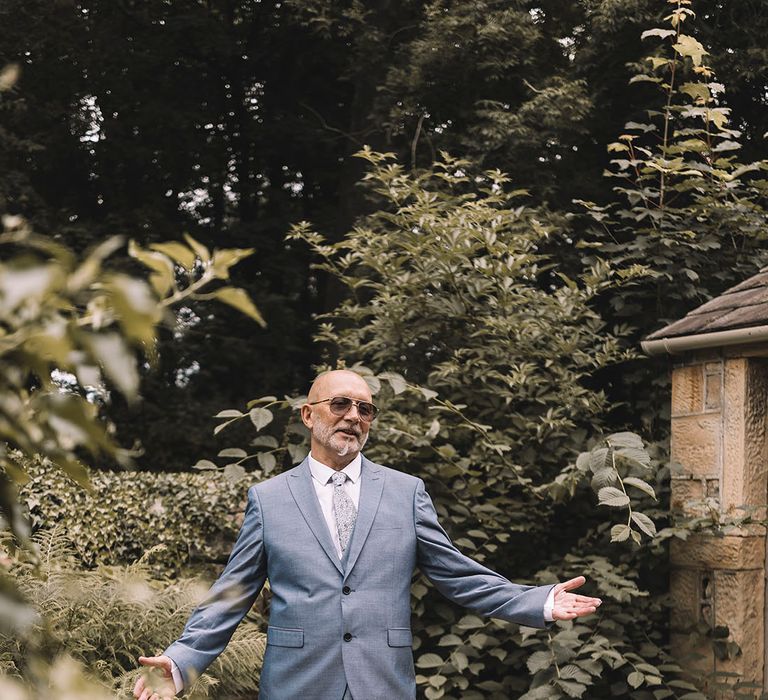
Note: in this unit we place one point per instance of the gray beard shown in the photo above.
(325, 436)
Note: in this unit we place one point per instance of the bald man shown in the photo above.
(339, 537)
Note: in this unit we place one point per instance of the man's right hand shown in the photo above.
(158, 683)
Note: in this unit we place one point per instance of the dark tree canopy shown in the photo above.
(232, 120)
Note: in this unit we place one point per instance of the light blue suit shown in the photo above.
(343, 623)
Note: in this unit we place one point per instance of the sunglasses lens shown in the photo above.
(367, 411)
(340, 405)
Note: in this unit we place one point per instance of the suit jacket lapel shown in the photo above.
(303, 492)
(371, 487)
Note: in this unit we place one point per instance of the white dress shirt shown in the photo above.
(321, 480)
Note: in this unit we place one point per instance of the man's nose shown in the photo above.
(353, 416)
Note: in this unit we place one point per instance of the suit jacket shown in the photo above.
(336, 623)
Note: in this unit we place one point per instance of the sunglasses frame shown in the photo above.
(353, 402)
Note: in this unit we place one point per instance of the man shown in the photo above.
(338, 537)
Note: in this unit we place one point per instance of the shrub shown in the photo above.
(105, 618)
(195, 516)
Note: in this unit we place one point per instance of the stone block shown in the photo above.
(686, 492)
(713, 385)
(744, 433)
(695, 444)
(733, 553)
(739, 605)
(687, 390)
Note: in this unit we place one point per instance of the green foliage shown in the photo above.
(125, 515)
(450, 282)
(686, 205)
(107, 617)
(61, 314)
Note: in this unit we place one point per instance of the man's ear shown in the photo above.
(306, 415)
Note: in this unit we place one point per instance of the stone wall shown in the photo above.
(718, 450)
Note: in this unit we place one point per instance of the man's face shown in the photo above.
(336, 439)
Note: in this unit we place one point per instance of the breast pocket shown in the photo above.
(285, 637)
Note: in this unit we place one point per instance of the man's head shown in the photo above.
(336, 439)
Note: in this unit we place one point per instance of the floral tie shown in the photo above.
(343, 510)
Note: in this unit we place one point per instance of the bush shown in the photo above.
(125, 514)
(105, 618)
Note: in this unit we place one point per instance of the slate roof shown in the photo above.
(742, 306)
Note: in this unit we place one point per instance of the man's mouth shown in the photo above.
(348, 431)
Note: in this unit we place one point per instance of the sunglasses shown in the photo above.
(340, 406)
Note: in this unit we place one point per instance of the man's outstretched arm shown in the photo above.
(474, 586)
(212, 624)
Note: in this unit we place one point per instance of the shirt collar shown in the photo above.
(322, 473)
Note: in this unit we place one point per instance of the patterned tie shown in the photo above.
(343, 510)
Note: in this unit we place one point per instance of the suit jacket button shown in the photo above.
(346, 590)
(347, 637)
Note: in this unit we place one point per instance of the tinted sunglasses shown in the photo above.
(340, 406)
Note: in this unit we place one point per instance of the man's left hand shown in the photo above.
(567, 605)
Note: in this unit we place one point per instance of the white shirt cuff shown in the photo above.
(177, 679)
(549, 604)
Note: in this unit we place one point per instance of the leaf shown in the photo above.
(633, 454)
(635, 679)
(238, 298)
(234, 472)
(267, 461)
(470, 622)
(8, 76)
(297, 452)
(177, 252)
(162, 278)
(620, 533)
(200, 250)
(539, 660)
(644, 523)
(223, 260)
(582, 462)
(661, 33)
(434, 429)
(640, 484)
(698, 91)
(428, 394)
(689, 47)
(236, 452)
(204, 464)
(610, 496)
(429, 661)
(229, 413)
(260, 417)
(625, 439)
(265, 441)
(117, 361)
(605, 477)
(450, 640)
(396, 381)
(572, 688)
(597, 459)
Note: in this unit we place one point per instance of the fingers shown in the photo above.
(161, 662)
(571, 584)
(570, 613)
(139, 687)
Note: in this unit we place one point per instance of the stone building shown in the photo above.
(719, 454)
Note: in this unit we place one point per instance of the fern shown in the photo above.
(107, 617)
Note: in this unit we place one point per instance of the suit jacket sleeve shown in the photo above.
(466, 582)
(212, 624)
